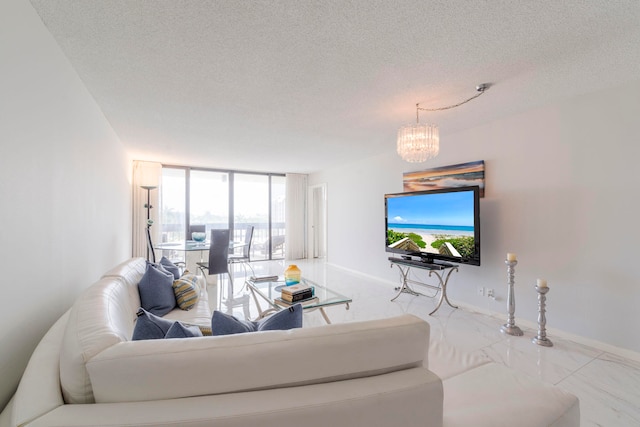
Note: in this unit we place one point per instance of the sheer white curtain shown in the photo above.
(296, 214)
(145, 174)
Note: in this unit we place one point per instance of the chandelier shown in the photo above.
(418, 143)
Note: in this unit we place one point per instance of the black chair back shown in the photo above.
(248, 237)
(219, 251)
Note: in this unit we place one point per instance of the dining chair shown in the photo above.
(244, 257)
(218, 255)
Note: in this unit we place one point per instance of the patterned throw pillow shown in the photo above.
(186, 290)
(206, 330)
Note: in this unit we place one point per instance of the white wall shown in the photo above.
(64, 188)
(561, 192)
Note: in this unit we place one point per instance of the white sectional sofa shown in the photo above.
(86, 371)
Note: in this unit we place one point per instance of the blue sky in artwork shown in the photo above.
(454, 208)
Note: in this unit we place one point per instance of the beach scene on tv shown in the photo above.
(438, 223)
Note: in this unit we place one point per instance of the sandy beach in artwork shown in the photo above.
(428, 239)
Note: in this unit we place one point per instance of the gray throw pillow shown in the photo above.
(179, 330)
(225, 324)
(150, 327)
(156, 291)
(170, 267)
(289, 318)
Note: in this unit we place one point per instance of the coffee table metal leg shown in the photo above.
(261, 313)
(326, 318)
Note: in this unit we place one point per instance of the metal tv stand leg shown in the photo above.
(404, 288)
(443, 284)
(443, 280)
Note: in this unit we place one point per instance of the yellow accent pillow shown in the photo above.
(186, 290)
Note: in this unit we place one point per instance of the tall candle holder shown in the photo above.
(541, 338)
(510, 327)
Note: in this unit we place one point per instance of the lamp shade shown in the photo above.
(418, 143)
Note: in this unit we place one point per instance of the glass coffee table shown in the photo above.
(268, 291)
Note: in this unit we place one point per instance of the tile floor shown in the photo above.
(607, 385)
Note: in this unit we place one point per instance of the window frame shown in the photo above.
(231, 175)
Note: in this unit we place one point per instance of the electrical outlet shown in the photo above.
(490, 293)
(480, 291)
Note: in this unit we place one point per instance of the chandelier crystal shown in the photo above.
(418, 143)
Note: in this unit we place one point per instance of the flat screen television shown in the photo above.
(442, 224)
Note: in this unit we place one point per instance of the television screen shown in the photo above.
(441, 224)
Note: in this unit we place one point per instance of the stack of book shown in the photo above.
(299, 293)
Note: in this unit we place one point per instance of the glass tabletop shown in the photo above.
(191, 245)
(271, 291)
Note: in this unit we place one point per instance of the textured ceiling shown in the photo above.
(300, 85)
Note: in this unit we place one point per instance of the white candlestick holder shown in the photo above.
(541, 338)
(510, 327)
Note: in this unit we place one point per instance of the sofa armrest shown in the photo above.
(39, 389)
(168, 369)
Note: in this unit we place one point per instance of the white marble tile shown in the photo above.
(614, 383)
(549, 364)
(607, 385)
(535, 363)
(608, 393)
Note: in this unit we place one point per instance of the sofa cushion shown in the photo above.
(186, 291)
(495, 395)
(150, 327)
(179, 330)
(170, 267)
(226, 324)
(156, 291)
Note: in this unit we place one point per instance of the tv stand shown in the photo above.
(405, 264)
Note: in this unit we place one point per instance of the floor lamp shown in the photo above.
(149, 221)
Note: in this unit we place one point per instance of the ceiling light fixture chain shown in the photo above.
(418, 143)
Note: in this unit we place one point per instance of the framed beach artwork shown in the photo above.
(460, 175)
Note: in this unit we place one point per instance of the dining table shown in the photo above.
(190, 246)
(185, 246)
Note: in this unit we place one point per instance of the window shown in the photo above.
(225, 199)
(172, 201)
(209, 199)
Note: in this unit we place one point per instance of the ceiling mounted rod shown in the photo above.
(480, 89)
